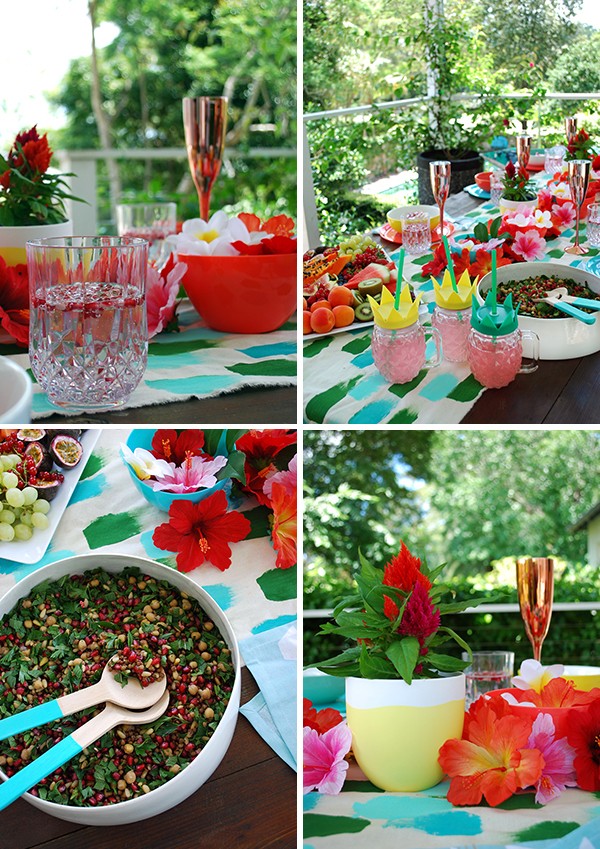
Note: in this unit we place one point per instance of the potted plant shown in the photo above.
(518, 193)
(31, 197)
(404, 696)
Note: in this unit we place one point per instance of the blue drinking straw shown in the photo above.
(450, 265)
(399, 278)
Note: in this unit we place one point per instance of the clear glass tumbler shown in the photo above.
(88, 337)
(496, 187)
(593, 225)
(489, 670)
(416, 232)
(150, 221)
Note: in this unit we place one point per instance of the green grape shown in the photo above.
(14, 497)
(7, 533)
(41, 506)
(9, 480)
(22, 532)
(9, 461)
(25, 517)
(40, 521)
(7, 516)
(30, 495)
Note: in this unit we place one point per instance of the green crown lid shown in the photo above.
(494, 319)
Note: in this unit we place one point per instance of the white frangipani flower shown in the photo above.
(144, 464)
(210, 238)
(533, 676)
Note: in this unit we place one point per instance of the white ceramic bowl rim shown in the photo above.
(17, 393)
(105, 815)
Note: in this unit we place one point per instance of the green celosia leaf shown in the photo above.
(404, 655)
(445, 662)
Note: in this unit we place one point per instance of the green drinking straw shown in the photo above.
(494, 283)
(450, 265)
(399, 279)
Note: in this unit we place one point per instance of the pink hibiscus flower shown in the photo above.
(288, 479)
(563, 214)
(558, 772)
(324, 765)
(530, 246)
(162, 289)
(194, 473)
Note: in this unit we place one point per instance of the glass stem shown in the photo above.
(441, 206)
(204, 198)
(577, 217)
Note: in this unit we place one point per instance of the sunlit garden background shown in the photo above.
(475, 500)
(494, 65)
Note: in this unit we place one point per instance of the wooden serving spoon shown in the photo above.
(74, 744)
(132, 696)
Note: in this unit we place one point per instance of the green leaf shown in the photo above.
(345, 657)
(445, 662)
(232, 438)
(404, 655)
(349, 601)
(457, 639)
(495, 227)
(212, 438)
(234, 467)
(373, 665)
(480, 232)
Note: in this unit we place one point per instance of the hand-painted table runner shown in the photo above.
(201, 363)
(362, 816)
(342, 385)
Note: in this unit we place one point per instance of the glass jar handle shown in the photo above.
(436, 359)
(535, 356)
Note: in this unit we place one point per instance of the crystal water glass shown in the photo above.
(488, 671)
(496, 187)
(554, 160)
(150, 221)
(593, 225)
(416, 233)
(88, 338)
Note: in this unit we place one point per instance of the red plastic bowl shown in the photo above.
(242, 294)
(483, 180)
(563, 716)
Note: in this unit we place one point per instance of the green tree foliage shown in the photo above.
(577, 68)
(168, 49)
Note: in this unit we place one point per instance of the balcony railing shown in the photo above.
(84, 164)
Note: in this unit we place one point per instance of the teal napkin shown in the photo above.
(271, 656)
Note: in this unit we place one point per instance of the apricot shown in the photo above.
(341, 296)
(306, 314)
(322, 304)
(322, 320)
(304, 304)
(344, 315)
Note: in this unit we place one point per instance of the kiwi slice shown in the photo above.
(371, 286)
(363, 312)
(358, 298)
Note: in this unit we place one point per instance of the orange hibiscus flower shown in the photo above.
(285, 525)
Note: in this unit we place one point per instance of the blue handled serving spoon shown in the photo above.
(561, 300)
(74, 744)
(131, 695)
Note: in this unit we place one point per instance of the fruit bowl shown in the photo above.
(396, 215)
(242, 294)
(195, 774)
(483, 180)
(560, 338)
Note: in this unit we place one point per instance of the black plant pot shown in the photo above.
(465, 164)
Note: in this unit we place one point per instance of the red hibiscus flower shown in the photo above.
(174, 448)
(320, 720)
(584, 736)
(14, 302)
(285, 525)
(261, 447)
(403, 572)
(202, 532)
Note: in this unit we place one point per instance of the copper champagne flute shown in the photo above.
(439, 174)
(579, 177)
(205, 123)
(535, 586)
(523, 151)
(570, 128)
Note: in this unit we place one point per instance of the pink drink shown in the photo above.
(399, 354)
(494, 360)
(88, 343)
(454, 327)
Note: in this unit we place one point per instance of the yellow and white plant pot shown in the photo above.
(398, 728)
(14, 239)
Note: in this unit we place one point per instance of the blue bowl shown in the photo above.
(321, 688)
(163, 500)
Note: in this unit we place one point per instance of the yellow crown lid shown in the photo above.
(447, 298)
(386, 315)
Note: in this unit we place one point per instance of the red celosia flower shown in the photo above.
(14, 302)
(202, 532)
(38, 154)
(403, 572)
(260, 448)
(5, 179)
(584, 736)
(285, 525)
(510, 170)
(320, 720)
(420, 618)
(27, 136)
(174, 448)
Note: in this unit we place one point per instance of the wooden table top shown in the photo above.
(248, 803)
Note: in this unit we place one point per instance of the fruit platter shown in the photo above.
(337, 281)
(39, 470)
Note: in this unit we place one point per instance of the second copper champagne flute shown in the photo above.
(205, 124)
(439, 173)
(523, 150)
(535, 586)
(570, 128)
(579, 177)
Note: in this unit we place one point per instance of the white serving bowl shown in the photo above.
(560, 338)
(15, 400)
(201, 768)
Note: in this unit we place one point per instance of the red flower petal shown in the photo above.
(280, 245)
(279, 225)
(248, 250)
(251, 221)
